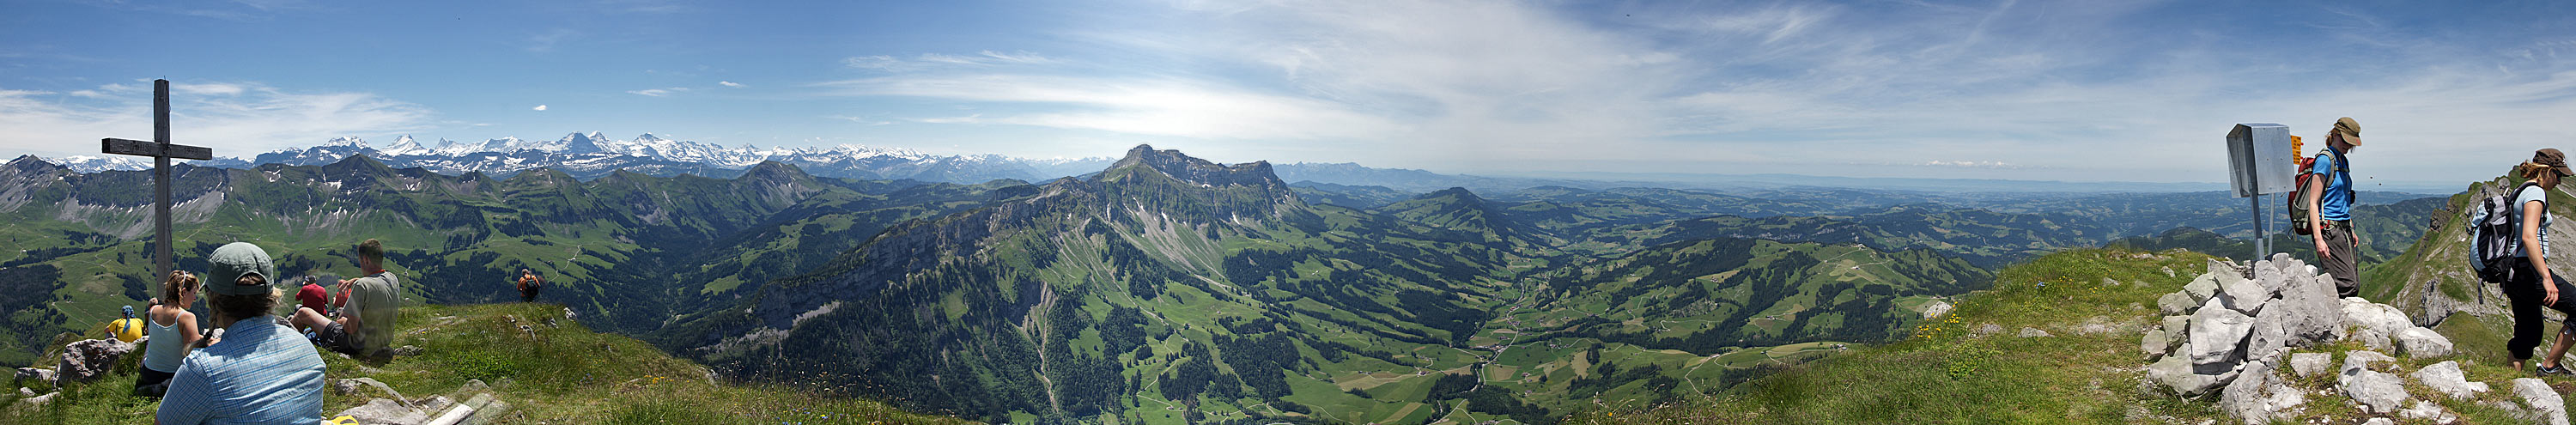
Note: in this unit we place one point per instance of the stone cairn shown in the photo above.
(2228, 332)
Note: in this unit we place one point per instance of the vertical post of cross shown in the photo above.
(161, 151)
(161, 181)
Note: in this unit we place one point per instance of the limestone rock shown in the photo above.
(2309, 364)
(383, 411)
(2174, 303)
(1936, 309)
(2266, 340)
(88, 359)
(2257, 395)
(24, 392)
(2097, 328)
(2379, 421)
(2539, 399)
(2217, 334)
(2374, 339)
(2420, 343)
(2309, 311)
(1989, 329)
(39, 401)
(2378, 392)
(2361, 360)
(2426, 410)
(2436, 306)
(2153, 344)
(2201, 289)
(2268, 277)
(353, 386)
(2374, 316)
(2244, 296)
(2175, 372)
(2176, 327)
(30, 376)
(2445, 378)
(2033, 333)
(407, 351)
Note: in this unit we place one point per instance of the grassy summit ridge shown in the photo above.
(557, 371)
(1951, 371)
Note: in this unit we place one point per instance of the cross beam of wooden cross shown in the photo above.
(161, 151)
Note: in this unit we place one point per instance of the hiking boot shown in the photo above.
(2545, 371)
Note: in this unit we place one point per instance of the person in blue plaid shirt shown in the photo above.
(259, 372)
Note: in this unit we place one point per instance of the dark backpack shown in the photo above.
(2299, 195)
(2495, 228)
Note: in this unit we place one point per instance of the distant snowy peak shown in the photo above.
(404, 146)
(344, 141)
(91, 164)
(592, 154)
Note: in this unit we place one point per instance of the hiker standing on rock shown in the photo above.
(2533, 285)
(263, 372)
(2330, 207)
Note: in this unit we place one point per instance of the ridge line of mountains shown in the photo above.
(1161, 288)
(593, 155)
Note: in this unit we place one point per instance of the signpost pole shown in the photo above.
(2262, 237)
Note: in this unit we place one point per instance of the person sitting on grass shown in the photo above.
(173, 331)
(262, 372)
(312, 295)
(529, 285)
(127, 329)
(366, 324)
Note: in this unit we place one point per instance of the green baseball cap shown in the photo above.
(231, 262)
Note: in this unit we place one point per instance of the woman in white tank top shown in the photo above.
(173, 331)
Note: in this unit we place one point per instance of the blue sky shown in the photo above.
(2094, 90)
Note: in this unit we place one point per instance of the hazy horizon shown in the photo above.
(2114, 92)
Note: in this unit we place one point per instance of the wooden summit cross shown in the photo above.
(161, 151)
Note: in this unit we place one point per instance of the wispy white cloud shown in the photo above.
(729, 84)
(660, 92)
(546, 41)
(1168, 107)
(235, 118)
(929, 61)
(538, 108)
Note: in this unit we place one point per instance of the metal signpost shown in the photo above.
(2259, 162)
(161, 151)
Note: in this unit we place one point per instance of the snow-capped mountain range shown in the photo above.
(594, 155)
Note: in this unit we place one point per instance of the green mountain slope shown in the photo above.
(1746, 292)
(1166, 287)
(1986, 238)
(2386, 232)
(617, 249)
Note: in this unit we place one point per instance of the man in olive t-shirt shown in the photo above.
(366, 325)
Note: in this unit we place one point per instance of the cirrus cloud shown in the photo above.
(234, 118)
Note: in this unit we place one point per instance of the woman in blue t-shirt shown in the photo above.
(2533, 285)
